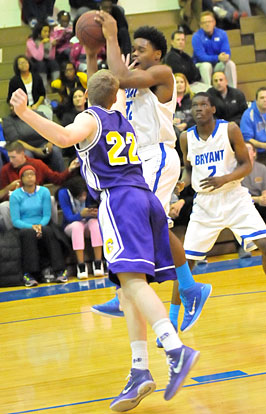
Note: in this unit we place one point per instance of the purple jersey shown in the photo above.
(111, 159)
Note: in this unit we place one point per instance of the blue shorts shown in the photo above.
(135, 234)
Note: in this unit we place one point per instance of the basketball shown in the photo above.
(88, 31)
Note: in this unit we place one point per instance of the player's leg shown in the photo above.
(261, 244)
(247, 224)
(162, 181)
(186, 287)
(140, 383)
(141, 304)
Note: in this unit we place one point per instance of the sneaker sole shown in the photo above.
(128, 404)
(198, 313)
(185, 371)
(108, 315)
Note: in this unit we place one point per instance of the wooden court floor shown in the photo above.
(57, 357)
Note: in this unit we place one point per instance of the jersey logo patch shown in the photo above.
(109, 245)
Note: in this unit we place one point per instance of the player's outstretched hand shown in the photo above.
(19, 100)
(212, 183)
(126, 60)
(109, 25)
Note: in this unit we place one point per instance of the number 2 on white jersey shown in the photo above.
(213, 170)
(119, 144)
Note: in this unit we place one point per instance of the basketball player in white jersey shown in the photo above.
(216, 160)
(151, 100)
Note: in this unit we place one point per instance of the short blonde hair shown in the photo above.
(207, 13)
(102, 88)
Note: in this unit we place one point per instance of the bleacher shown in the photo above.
(248, 45)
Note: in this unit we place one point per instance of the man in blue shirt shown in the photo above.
(253, 124)
(211, 51)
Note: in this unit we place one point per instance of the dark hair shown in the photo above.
(62, 13)
(76, 185)
(38, 28)
(63, 69)
(78, 88)
(206, 95)
(154, 36)
(15, 146)
(179, 31)
(263, 88)
(15, 64)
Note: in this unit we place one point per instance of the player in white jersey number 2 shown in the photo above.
(216, 159)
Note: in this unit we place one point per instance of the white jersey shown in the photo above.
(213, 157)
(151, 119)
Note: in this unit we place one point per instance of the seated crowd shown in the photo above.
(55, 62)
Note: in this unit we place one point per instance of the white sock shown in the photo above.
(166, 333)
(139, 354)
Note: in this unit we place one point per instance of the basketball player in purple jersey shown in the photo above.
(106, 145)
(216, 159)
(151, 101)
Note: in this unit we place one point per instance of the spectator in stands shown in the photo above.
(181, 62)
(231, 15)
(190, 14)
(9, 176)
(17, 158)
(78, 7)
(253, 124)
(31, 83)
(244, 5)
(3, 152)
(80, 222)
(40, 49)
(30, 210)
(77, 104)
(122, 25)
(181, 206)
(230, 102)
(34, 11)
(36, 146)
(211, 51)
(62, 33)
(182, 117)
(68, 81)
(256, 181)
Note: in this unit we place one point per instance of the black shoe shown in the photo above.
(61, 276)
(29, 281)
(97, 268)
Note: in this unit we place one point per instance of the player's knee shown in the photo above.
(261, 244)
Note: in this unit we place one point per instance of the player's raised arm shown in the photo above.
(120, 104)
(186, 173)
(84, 126)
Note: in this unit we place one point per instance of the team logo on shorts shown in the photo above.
(109, 245)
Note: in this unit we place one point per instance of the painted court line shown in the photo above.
(223, 379)
(74, 287)
(89, 311)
